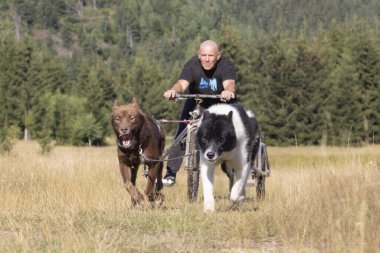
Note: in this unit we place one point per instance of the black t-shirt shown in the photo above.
(208, 81)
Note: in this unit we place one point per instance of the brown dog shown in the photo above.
(135, 131)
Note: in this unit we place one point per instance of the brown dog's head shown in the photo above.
(126, 122)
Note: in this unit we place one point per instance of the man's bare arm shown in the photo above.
(229, 90)
(179, 87)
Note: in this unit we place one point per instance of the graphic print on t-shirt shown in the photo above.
(205, 84)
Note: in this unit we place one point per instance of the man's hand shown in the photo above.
(170, 94)
(227, 95)
(179, 87)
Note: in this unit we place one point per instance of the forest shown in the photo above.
(308, 69)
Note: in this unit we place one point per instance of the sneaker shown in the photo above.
(168, 181)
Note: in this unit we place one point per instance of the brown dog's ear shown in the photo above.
(116, 103)
(134, 102)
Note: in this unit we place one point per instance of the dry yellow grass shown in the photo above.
(318, 200)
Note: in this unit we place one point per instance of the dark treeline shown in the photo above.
(309, 70)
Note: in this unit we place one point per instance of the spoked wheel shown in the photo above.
(260, 188)
(262, 171)
(192, 169)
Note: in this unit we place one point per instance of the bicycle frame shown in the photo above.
(188, 135)
(191, 124)
(262, 156)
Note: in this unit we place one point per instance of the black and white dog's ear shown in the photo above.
(206, 115)
(229, 115)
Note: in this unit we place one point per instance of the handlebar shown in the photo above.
(196, 96)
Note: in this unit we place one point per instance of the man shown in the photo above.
(206, 73)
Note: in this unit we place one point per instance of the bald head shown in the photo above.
(209, 44)
(208, 54)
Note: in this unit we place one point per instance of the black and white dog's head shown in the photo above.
(215, 135)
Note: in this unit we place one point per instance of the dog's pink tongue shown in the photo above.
(126, 143)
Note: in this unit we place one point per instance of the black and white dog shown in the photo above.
(228, 134)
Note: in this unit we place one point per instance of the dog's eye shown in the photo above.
(204, 140)
(117, 119)
(220, 140)
(133, 118)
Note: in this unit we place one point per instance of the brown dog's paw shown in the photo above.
(156, 199)
(160, 198)
(137, 199)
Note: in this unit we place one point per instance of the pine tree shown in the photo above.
(13, 67)
(87, 130)
(367, 65)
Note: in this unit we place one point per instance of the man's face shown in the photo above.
(208, 56)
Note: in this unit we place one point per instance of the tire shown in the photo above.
(264, 164)
(260, 188)
(192, 169)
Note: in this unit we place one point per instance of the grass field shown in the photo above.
(72, 200)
